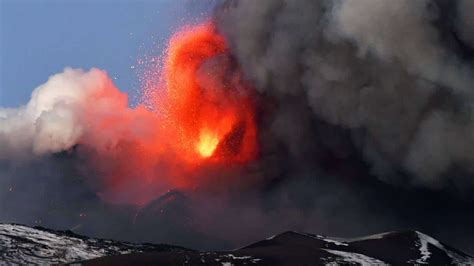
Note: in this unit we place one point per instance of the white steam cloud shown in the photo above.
(52, 120)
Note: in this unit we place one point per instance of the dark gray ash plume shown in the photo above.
(393, 73)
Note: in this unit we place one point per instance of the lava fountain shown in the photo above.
(198, 117)
(206, 107)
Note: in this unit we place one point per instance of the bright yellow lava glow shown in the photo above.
(207, 144)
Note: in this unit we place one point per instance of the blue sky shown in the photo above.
(39, 38)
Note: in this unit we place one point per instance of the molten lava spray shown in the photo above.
(207, 111)
(200, 115)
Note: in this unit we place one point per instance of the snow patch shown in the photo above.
(369, 237)
(325, 239)
(242, 259)
(231, 256)
(272, 237)
(331, 240)
(423, 247)
(352, 257)
(423, 242)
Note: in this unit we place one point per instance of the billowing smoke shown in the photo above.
(49, 122)
(392, 72)
(465, 22)
(334, 117)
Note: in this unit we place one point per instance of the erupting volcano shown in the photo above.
(249, 118)
(199, 112)
(206, 109)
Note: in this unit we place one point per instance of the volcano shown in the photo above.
(338, 117)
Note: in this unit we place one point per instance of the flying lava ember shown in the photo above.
(199, 114)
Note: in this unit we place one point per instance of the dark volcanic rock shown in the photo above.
(291, 248)
(25, 245)
(173, 214)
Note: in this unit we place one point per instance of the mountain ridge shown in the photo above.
(20, 244)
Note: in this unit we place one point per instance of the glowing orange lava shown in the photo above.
(198, 117)
(207, 144)
(206, 108)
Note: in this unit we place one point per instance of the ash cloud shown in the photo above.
(465, 22)
(369, 99)
(391, 72)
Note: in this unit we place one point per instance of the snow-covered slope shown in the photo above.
(409, 248)
(293, 248)
(25, 245)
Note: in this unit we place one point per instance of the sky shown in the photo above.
(39, 38)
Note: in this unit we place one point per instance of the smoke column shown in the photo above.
(387, 71)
